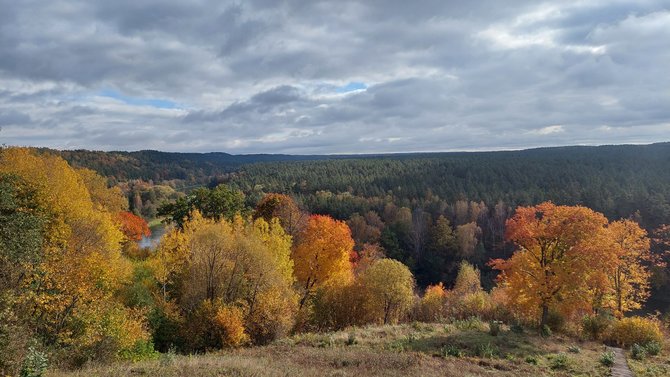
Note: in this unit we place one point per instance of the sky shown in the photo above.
(322, 77)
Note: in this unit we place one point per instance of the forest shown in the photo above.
(562, 240)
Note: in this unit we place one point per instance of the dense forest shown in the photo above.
(404, 202)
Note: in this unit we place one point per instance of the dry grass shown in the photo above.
(403, 350)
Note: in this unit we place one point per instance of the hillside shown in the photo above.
(462, 349)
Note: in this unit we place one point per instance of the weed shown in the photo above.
(452, 350)
(167, 359)
(574, 349)
(487, 350)
(531, 360)
(638, 352)
(607, 358)
(351, 339)
(653, 348)
(35, 364)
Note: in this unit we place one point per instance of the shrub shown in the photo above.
(452, 350)
(555, 321)
(470, 323)
(595, 326)
(638, 352)
(545, 331)
(560, 361)
(214, 326)
(141, 350)
(653, 348)
(531, 360)
(494, 328)
(35, 364)
(628, 331)
(607, 358)
(351, 339)
(229, 324)
(432, 303)
(517, 328)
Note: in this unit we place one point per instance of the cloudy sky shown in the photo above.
(333, 76)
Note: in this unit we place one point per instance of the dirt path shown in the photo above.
(620, 367)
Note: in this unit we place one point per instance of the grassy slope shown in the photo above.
(403, 350)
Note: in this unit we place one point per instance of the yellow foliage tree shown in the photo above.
(389, 286)
(629, 278)
(81, 268)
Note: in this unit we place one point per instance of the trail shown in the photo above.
(620, 367)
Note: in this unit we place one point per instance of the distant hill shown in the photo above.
(165, 166)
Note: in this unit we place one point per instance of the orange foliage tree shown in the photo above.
(558, 247)
(321, 255)
(132, 226)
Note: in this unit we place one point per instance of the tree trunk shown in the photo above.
(545, 316)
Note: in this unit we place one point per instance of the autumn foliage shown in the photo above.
(570, 260)
(321, 256)
(132, 226)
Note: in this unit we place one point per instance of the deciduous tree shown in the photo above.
(557, 248)
(322, 254)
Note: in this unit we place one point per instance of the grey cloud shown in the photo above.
(262, 76)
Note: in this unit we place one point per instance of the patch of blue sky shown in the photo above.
(137, 101)
(350, 87)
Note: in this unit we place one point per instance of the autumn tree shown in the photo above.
(389, 287)
(104, 197)
(241, 263)
(557, 248)
(629, 278)
(80, 270)
(284, 208)
(322, 254)
(133, 226)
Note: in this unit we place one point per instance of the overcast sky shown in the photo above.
(333, 77)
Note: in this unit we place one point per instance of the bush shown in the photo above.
(607, 358)
(214, 326)
(628, 331)
(560, 361)
(594, 327)
(638, 352)
(141, 350)
(35, 364)
(653, 348)
(545, 331)
(531, 360)
(351, 339)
